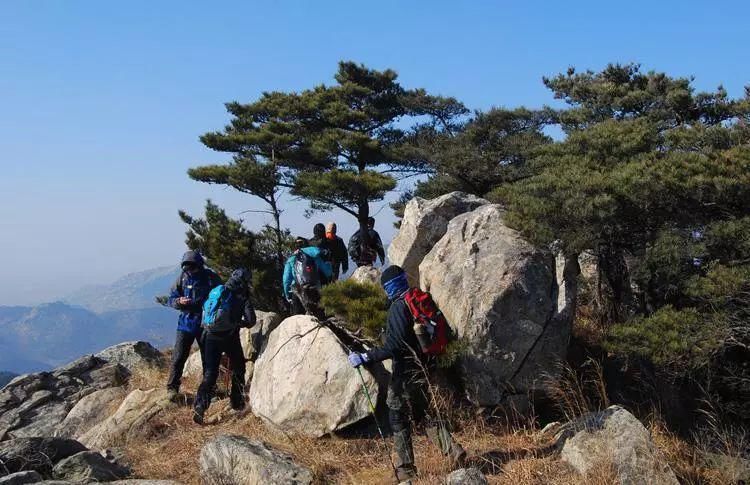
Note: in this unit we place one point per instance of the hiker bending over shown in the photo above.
(305, 272)
(227, 309)
(188, 294)
(364, 253)
(339, 256)
(404, 344)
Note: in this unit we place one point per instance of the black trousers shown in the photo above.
(182, 345)
(214, 345)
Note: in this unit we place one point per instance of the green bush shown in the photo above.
(361, 305)
(670, 337)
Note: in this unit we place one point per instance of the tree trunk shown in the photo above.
(279, 236)
(613, 286)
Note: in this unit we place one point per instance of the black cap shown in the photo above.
(390, 272)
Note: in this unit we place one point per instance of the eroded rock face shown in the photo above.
(424, 223)
(21, 478)
(366, 274)
(38, 454)
(132, 355)
(303, 381)
(87, 467)
(237, 459)
(90, 411)
(36, 404)
(499, 293)
(131, 419)
(466, 476)
(614, 437)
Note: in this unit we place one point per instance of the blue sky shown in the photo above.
(103, 102)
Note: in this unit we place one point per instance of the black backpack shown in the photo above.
(306, 271)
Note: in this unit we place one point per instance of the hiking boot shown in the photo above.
(172, 394)
(406, 473)
(237, 404)
(198, 415)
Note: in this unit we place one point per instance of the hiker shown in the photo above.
(319, 241)
(305, 272)
(365, 254)
(187, 295)
(405, 348)
(227, 309)
(339, 255)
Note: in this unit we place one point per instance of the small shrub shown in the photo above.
(361, 305)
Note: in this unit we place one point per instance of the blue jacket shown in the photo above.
(196, 287)
(324, 268)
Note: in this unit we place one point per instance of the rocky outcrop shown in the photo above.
(499, 293)
(91, 410)
(614, 437)
(366, 274)
(423, 224)
(87, 467)
(236, 459)
(21, 478)
(131, 419)
(466, 476)
(37, 454)
(303, 381)
(37, 404)
(132, 355)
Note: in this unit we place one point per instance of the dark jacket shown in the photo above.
(325, 246)
(339, 255)
(195, 286)
(400, 340)
(366, 255)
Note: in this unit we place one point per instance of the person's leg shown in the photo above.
(436, 428)
(400, 424)
(183, 343)
(237, 362)
(212, 350)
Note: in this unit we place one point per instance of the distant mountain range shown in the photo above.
(48, 335)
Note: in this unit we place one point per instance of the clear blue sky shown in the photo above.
(103, 102)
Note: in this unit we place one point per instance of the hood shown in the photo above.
(240, 279)
(193, 257)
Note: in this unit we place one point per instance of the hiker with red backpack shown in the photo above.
(415, 331)
(305, 272)
(227, 308)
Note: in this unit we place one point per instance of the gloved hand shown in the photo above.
(356, 359)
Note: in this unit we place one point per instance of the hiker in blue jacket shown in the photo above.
(305, 272)
(223, 337)
(188, 294)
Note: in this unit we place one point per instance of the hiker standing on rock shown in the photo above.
(187, 295)
(339, 256)
(305, 272)
(227, 309)
(365, 252)
(406, 389)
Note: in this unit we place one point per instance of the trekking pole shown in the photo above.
(377, 424)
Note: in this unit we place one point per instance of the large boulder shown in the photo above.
(91, 410)
(38, 454)
(499, 293)
(466, 476)
(132, 419)
(303, 381)
(424, 223)
(132, 355)
(614, 437)
(88, 467)
(36, 404)
(366, 274)
(237, 459)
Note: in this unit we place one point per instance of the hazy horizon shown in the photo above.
(105, 103)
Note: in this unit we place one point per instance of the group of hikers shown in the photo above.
(212, 313)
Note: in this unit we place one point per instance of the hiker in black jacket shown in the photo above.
(402, 347)
(339, 256)
(227, 341)
(365, 254)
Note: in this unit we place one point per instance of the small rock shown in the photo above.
(38, 454)
(21, 478)
(236, 459)
(466, 476)
(614, 437)
(366, 274)
(88, 466)
(143, 482)
(132, 355)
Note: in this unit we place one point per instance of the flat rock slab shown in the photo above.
(87, 467)
(466, 476)
(38, 454)
(237, 459)
(21, 478)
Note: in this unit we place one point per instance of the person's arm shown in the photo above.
(354, 246)
(288, 277)
(175, 293)
(379, 248)
(249, 315)
(344, 256)
(398, 321)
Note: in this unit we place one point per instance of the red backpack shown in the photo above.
(430, 325)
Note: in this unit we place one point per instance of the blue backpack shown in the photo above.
(217, 309)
